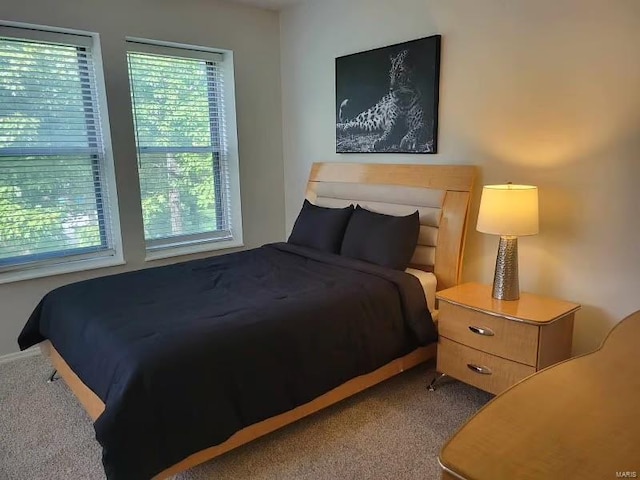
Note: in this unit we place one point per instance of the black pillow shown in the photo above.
(320, 227)
(385, 240)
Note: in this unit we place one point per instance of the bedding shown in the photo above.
(386, 240)
(185, 355)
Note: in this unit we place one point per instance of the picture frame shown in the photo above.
(387, 98)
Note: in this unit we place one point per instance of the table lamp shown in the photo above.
(510, 211)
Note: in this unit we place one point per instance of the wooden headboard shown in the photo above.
(441, 193)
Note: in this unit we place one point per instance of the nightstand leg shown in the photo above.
(432, 385)
(53, 377)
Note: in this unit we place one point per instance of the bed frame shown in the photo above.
(387, 188)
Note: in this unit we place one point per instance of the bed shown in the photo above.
(295, 330)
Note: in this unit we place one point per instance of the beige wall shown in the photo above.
(252, 34)
(545, 92)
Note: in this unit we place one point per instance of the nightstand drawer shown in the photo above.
(492, 334)
(488, 372)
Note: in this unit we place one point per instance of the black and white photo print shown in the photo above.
(387, 98)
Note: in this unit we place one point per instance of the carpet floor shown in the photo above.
(391, 431)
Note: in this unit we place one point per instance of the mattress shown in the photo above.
(429, 282)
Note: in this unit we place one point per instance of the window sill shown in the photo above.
(60, 268)
(176, 251)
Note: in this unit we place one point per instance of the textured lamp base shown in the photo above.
(505, 280)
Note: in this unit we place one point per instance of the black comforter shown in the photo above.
(185, 355)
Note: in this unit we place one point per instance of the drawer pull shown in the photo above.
(487, 332)
(479, 369)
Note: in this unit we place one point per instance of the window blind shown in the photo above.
(54, 201)
(178, 108)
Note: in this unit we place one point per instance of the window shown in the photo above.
(55, 182)
(188, 178)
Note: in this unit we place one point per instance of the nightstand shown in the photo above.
(493, 344)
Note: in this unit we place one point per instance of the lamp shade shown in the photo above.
(510, 210)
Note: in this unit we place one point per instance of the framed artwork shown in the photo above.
(387, 98)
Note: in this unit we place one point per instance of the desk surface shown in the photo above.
(577, 419)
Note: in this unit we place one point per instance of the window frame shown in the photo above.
(81, 259)
(212, 240)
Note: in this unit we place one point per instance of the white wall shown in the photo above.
(545, 92)
(252, 34)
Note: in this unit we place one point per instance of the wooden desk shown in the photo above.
(578, 419)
